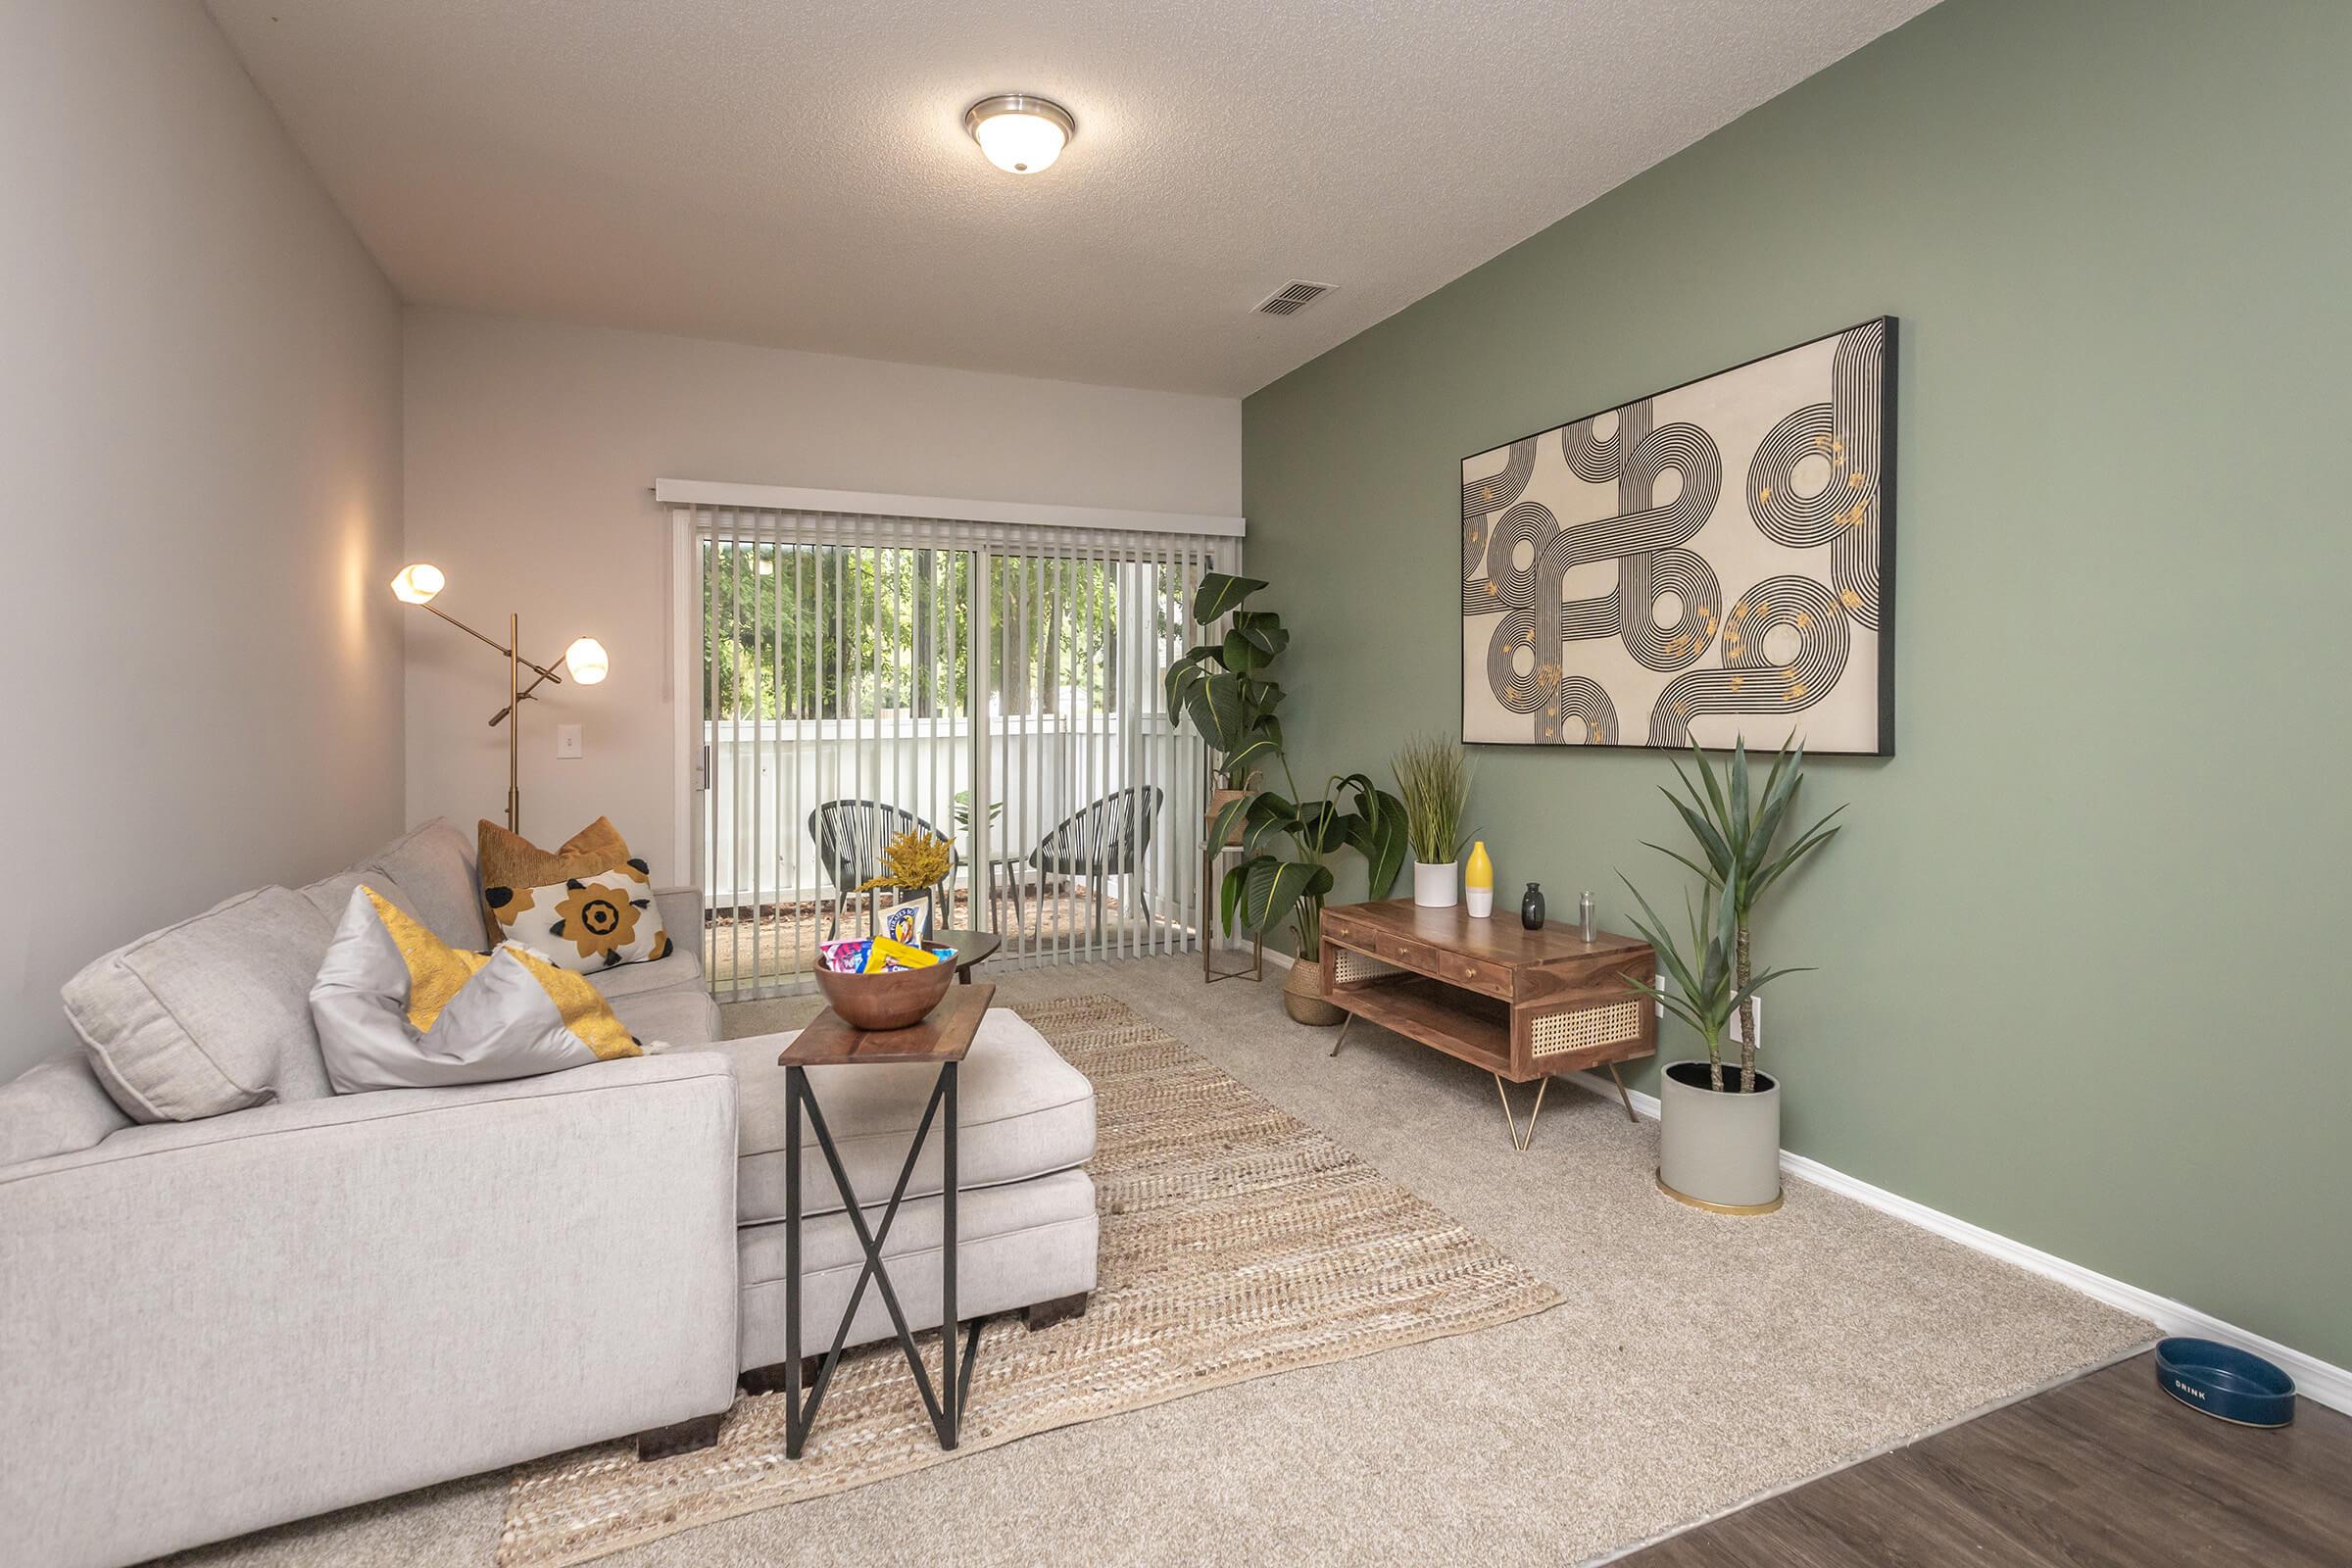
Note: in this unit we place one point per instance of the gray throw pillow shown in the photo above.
(399, 1009)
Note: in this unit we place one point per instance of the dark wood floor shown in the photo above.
(2102, 1470)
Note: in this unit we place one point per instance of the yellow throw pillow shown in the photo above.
(398, 1009)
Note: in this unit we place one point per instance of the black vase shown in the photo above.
(1531, 909)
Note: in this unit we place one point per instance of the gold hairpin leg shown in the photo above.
(1346, 1024)
(1622, 1098)
(1520, 1139)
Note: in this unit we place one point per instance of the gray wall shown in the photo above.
(2080, 949)
(200, 438)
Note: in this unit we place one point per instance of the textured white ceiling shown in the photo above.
(796, 172)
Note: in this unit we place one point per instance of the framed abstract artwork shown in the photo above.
(1715, 561)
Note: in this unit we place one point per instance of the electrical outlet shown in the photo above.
(567, 742)
(1757, 1003)
(1659, 983)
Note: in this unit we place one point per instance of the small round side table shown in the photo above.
(971, 947)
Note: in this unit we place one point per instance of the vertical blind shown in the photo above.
(995, 684)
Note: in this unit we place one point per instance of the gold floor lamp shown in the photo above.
(586, 659)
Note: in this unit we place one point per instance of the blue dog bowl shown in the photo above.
(2225, 1382)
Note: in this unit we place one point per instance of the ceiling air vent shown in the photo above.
(1291, 298)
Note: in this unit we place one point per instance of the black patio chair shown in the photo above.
(851, 836)
(1110, 838)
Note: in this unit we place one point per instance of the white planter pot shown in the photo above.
(1719, 1151)
(1438, 886)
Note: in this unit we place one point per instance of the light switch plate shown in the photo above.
(567, 740)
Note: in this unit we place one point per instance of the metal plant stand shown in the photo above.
(1211, 974)
(943, 1039)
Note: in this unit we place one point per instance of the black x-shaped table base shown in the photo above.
(947, 1405)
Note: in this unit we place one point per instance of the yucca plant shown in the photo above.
(1433, 779)
(1736, 825)
(1704, 992)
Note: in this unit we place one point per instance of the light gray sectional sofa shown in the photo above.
(229, 1298)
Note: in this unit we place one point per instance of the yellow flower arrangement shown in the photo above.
(914, 860)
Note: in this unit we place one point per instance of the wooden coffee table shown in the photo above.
(1526, 1006)
(941, 1039)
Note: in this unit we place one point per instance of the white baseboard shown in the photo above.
(2320, 1381)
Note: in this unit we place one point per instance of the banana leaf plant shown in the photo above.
(1222, 685)
(1703, 989)
(1287, 847)
(1222, 688)
(1736, 825)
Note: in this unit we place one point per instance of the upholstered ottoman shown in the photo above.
(1026, 1212)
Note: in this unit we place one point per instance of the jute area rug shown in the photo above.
(1236, 1241)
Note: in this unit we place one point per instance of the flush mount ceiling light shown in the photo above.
(1021, 134)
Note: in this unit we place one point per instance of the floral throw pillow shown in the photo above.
(585, 923)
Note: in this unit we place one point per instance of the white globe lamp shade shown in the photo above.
(587, 660)
(417, 584)
(1021, 134)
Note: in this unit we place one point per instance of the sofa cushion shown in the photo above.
(1016, 1246)
(680, 1019)
(56, 1107)
(1023, 1111)
(681, 970)
(434, 865)
(330, 896)
(208, 1015)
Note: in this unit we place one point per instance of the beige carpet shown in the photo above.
(1236, 1241)
(1698, 1361)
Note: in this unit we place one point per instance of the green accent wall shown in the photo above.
(2082, 949)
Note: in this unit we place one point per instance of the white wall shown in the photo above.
(531, 452)
(200, 450)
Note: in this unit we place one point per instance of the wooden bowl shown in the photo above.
(894, 1000)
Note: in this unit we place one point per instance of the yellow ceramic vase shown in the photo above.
(1477, 882)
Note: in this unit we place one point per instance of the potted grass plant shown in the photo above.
(1433, 780)
(1719, 1147)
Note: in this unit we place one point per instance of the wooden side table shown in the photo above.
(942, 1039)
(1526, 1006)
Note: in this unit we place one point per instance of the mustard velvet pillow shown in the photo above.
(587, 907)
(396, 1007)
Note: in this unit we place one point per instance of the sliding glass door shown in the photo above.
(993, 685)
